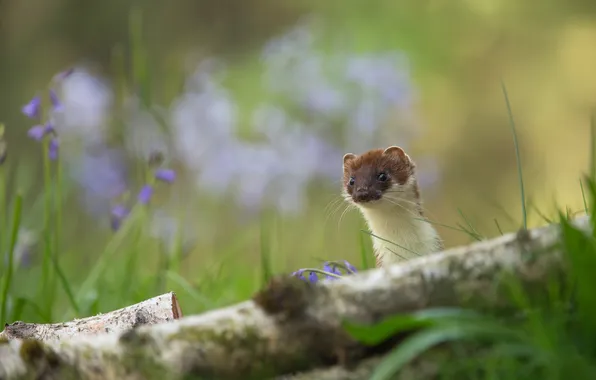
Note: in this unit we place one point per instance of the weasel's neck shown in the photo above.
(405, 233)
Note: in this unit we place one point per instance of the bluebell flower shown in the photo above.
(33, 109)
(145, 194)
(332, 269)
(118, 214)
(37, 132)
(329, 267)
(299, 274)
(165, 175)
(102, 174)
(53, 148)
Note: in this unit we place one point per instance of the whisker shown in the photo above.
(418, 205)
(331, 209)
(348, 208)
(396, 203)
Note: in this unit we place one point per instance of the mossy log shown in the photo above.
(293, 326)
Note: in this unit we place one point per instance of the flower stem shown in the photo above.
(45, 274)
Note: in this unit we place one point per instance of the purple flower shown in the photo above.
(33, 108)
(49, 128)
(37, 132)
(350, 266)
(165, 175)
(331, 269)
(102, 174)
(56, 104)
(53, 148)
(300, 274)
(145, 194)
(119, 213)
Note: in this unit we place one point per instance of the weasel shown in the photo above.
(382, 184)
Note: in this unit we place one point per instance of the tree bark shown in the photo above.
(293, 326)
(163, 308)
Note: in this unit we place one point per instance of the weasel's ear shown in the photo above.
(348, 157)
(398, 152)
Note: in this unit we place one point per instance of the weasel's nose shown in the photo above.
(363, 194)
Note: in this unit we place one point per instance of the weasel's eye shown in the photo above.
(351, 181)
(382, 177)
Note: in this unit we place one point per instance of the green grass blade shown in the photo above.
(580, 251)
(3, 185)
(14, 233)
(66, 287)
(517, 156)
(498, 226)
(581, 185)
(542, 215)
(390, 242)
(422, 341)
(265, 252)
(474, 233)
(593, 147)
(197, 297)
(442, 225)
(21, 303)
(111, 249)
(364, 253)
(378, 332)
(140, 69)
(46, 291)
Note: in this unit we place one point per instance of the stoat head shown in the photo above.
(378, 177)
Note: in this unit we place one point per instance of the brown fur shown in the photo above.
(366, 168)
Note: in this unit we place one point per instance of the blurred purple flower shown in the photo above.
(330, 267)
(37, 132)
(86, 101)
(145, 194)
(33, 108)
(49, 128)
(103, 175)
(165, 175)
(299, 274)
(53, 148)
(118, 214)
(56, 104)
(350, 266)
(320, 90)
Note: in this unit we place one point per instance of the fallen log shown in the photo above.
(163, 308)
(293, 326)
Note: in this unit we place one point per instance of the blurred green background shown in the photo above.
(458, 53)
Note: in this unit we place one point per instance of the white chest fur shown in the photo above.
(405, 234)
